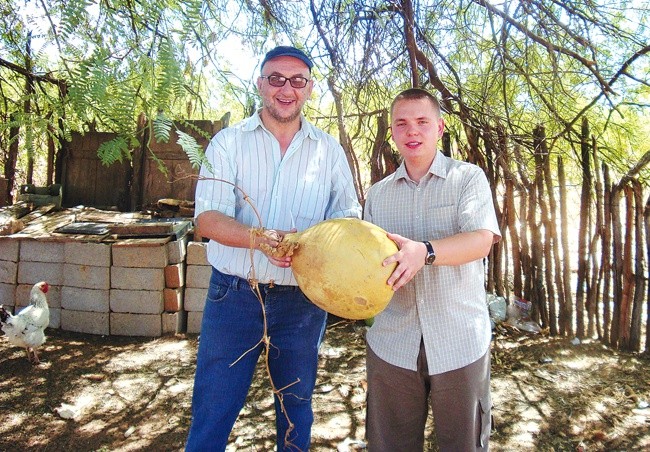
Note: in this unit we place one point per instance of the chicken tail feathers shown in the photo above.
(4, 315)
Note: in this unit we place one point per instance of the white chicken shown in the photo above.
(27, 328)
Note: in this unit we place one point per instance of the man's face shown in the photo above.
(416, 127)
(284, 104)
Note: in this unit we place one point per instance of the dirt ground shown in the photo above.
(94, 393)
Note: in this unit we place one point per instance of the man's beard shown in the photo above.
(275, 114)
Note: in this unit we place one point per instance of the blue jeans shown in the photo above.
(232, 324)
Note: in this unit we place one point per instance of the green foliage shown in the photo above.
(169, 78)
(114, 150)
(162, 127)
(191, 148)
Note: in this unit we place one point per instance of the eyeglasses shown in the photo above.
(279, 81)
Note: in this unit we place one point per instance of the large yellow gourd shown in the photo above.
(338, 265)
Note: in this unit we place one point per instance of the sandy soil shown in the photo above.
(94, 393)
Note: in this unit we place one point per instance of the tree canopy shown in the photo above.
(505, 66)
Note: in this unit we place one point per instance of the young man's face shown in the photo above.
(284, 104)
(416, 127)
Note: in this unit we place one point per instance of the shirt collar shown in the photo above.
(439, 167)
(306, 127)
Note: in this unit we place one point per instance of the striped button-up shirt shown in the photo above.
(443, 305)
(312, 182)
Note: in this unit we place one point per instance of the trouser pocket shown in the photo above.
(484, 422)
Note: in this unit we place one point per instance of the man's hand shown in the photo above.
(269, 241)
(409, 258)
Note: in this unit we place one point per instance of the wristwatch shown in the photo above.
(431, 255)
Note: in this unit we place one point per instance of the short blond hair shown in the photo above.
(416, 93)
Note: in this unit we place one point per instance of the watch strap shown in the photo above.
(431, 254)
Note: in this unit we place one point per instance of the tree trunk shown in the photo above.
(566, 303)
(639, 280)
(545, 268)
(332, 78)
(409, 38)
(383, 160)
(499, 251)
(627, 292)
(616, 263)
(646, 216)
(509, 197)
(554, 280)
(619, 257)
(594, 296)
(345, 141)
(536, 280)
(585, 210)
(527, 193)
(63, 151)
(493, 263)
(446, 144)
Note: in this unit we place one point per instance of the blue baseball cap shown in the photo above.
(287, 51)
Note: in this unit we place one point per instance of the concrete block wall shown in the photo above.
(131, 287)
(9, 254)
(40, 261)
(174, 317)
(137, 284)
(85, 296)
(197, 281)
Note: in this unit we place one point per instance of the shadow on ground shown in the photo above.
(95, 393)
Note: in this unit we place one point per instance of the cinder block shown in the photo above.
(173, 299)
(85, 322)
(55, 318)
(88, 253)
(194, 322)
(82, 299)
(33, 272)
(8, 272)
(41, 251)
(197, 253)
(175, 276)
(9, 249)
(177, 250)
(7, 294)
(198, 276)
(194, 299)
(136, 324)
(137, 278)
(137, 301)
(86, 276)
(23, 292)
(174, 322)
(140, 254)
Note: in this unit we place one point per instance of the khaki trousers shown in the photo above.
(398, 401)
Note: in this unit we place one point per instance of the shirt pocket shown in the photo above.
(442, 221)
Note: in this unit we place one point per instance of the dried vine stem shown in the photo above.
(259, 231)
